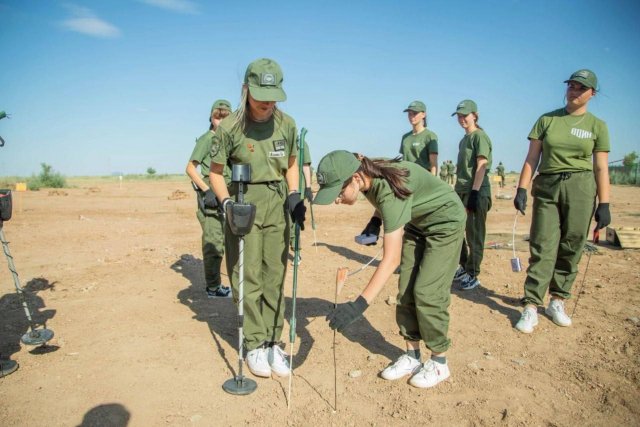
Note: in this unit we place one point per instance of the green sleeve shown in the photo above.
(220, 147)
(433, 145)
(602, 140)
(539, 129)
(482, 145)
(201, 150)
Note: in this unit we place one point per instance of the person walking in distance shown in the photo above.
(258, 133)
(210, 219)
(500, 172)
(570, 149)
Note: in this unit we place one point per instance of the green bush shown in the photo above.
(47, 178)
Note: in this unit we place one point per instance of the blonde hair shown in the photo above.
(241, 115)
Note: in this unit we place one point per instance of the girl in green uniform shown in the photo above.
(261, 135)
(570, 149)
(423, 223)
(421, 144)
(472, 185)
(210, 218)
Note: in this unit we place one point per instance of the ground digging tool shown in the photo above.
(35, 336)
(296, 263)
(240, 217)
(516, 265)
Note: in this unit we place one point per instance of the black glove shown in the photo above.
(373, 229)
(473, 201)
(520, 201)
(345, 314)
(603, 216)
(308, 194)
(210, 201)
(297, 209)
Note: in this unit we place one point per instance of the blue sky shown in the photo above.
(95, 87)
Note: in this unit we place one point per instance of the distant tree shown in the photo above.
(151, 171)
(630, 160)
(47, 178)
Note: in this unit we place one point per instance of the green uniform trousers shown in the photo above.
(429, 261)
(562, 208)
(265, 261)
(212, 226)
(472, 250)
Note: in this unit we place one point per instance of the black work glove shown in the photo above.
(210, 201)
(297, 209)
(308, 194)
(373, 229)
(520, 201)
(473, 201)
(603, 216)
(345, 314)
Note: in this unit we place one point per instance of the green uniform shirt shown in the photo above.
(500, 170)
(306, 159)
(443, 169)
(416, 148)
(473, 145)
(428, 195)
(266, 146)
(451, 169)
(202, 154)
(568, 142)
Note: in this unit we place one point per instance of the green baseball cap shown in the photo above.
(333, 170)
(466, 107)
(417, 106)
(264, 78)
(585, 77)
(222, 104)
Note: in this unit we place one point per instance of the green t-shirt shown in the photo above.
(429, 194)
(568, 142)
(500, 170)
(473, 145)
(451, 169)
(306, 159)
(265, 146)
(444, 169)
(416, 148)
(202, 154)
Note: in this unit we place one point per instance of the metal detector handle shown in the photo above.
(513, 235)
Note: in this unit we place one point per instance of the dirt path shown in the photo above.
(116, 273)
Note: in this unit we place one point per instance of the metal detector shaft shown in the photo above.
(16, 280)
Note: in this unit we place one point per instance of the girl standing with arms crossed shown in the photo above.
(570, 149)
(210, 218)
(259, 134)
(472, 185)
(423, 223)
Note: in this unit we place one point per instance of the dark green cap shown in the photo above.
(585, 77)
(264, 78)
(417, 106)
(333, 171)
(222, 104)
(466, 107)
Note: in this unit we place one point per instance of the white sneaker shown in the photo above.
(528, 320)
(430, 375)
(278, 361)
(405, 365)
(257, 362)
(556, 311)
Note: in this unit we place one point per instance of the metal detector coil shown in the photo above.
(241, 217)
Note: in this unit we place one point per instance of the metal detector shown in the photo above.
(35, 336)
(240, 217)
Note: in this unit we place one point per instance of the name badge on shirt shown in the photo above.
(276, 153)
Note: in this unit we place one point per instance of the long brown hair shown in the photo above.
(241, 115)
(381, 168)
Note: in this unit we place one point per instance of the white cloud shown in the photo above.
(181, 6)
(84, 21)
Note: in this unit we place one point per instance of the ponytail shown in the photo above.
(395, 176)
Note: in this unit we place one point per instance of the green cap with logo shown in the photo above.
(222, 104)
(585, 77)
(264, 78)
(466, 107)
(333, 171)
(416, 106)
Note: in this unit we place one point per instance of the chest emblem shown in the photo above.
(279, 145)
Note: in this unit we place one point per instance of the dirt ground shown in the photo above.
(117, 275)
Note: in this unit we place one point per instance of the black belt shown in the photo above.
(564, 175)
